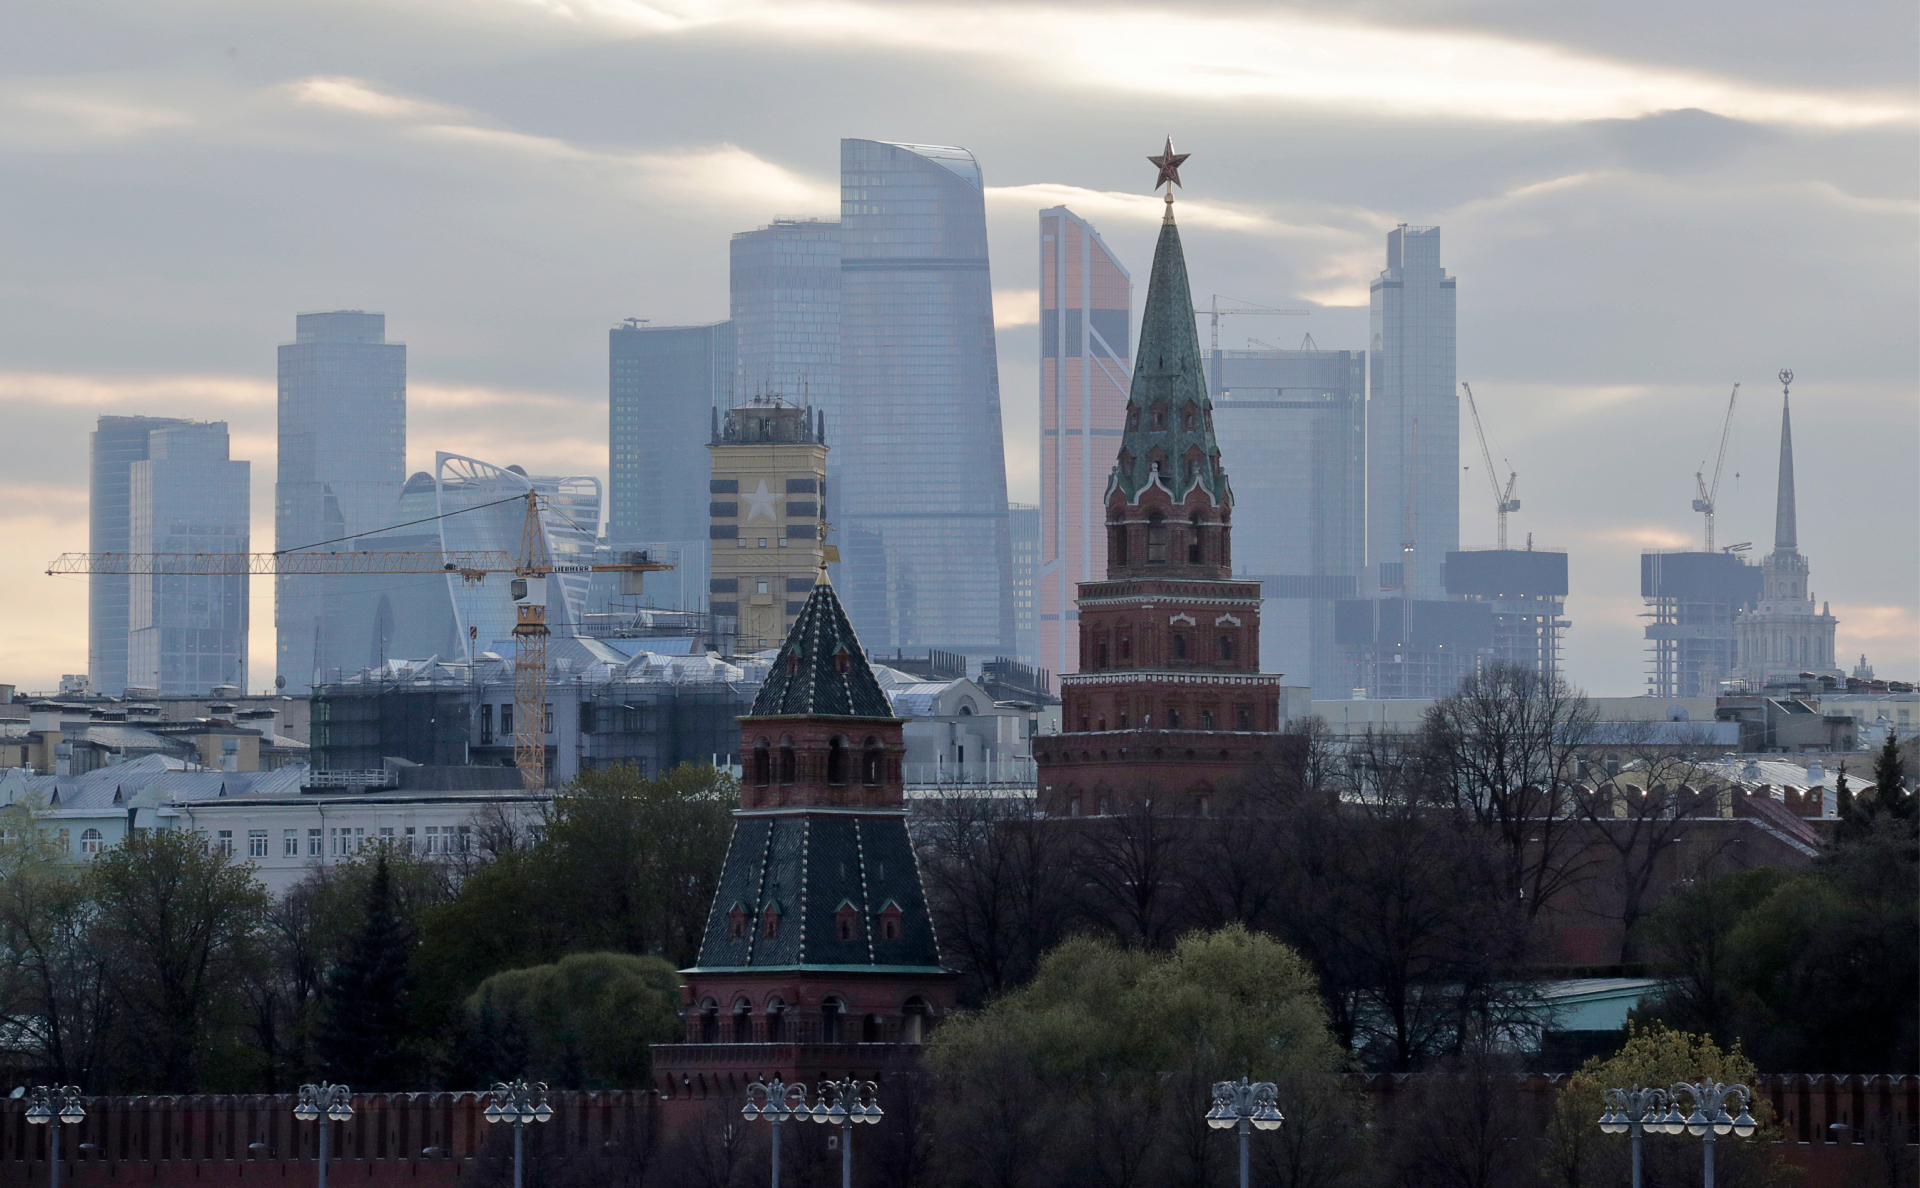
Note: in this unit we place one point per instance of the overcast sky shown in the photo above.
(1644, 202)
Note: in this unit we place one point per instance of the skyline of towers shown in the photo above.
(114, 446)
(1782, 636)
(342, 459)
(920, 469)
(187, 633)
(1086, 360)
(1413, 419)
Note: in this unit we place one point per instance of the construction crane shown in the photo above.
(1216, 313)
(1704, 503)
(530, 571)
(1503, 501)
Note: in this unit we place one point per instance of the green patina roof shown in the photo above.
(1167, 372)
(807, 679)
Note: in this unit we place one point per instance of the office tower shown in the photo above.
(117, 443)
(1086, 357)
(663, 383)
(569, 510)
(1525, 593)
(1782, 636)
(1169, 704)
(343, 448)
(187, 633)
(784, 286)
(396, 616)
(1023, 532)
(1297, 421)
(1413, 420)
(920, 471)
(769, 474)
(1692, 599)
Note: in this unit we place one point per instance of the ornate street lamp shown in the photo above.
(1245, 1105)
(325, 1104)
(49, 1106)
(1633, 1111)
(517, 1102)
(844, 1103)
(778, 1102)
(1709, 1119)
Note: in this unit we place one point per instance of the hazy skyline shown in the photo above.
(1643, 204)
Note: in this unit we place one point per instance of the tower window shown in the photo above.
(1225, 647)
(1193, 541)
(762, 764)
(1179, 647)
(1156, 539)
(787, 762)
(872, 755)
(837, 760)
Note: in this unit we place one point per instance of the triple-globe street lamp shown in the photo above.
(840, 1103)
(49, 1106)
(1640, 1109)
(326, 1104)
(518, 1102)
(1632, 1111)
(1245, 1105)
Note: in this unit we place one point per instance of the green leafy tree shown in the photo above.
(179, 926)
(1098, 1070)
(1656, 1056)
(584, 1022)
(53, 992)
(363, 1039)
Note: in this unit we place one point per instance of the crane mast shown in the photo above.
(530, 571)
(1704, 502)
(1503, 501)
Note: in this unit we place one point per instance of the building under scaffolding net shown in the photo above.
(611, 702)
(1692, 599)
(1525, 591)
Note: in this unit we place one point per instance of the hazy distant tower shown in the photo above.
(1086, 358)
(1413, 419)
(663, 383)
(1783, 635)
(118, 443)
(920, 471)
(187, 633)
(343, 448)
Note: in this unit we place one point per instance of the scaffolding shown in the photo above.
(1692, 599)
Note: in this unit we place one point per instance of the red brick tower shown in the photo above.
(1169, 703)
(819, 959)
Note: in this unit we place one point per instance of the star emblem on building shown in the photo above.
(1169, 163)
(760, 503)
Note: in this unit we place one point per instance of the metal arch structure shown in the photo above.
(531, 571)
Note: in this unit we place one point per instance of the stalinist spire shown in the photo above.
(1785, 528)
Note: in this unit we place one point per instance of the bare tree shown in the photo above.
(1130, 868)
(996, 884)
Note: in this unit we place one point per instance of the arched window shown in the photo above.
(1173, 721)
(831, 1012)
(1104, 658)
(90, 841)
(1224, 646)
(837, 760)
(1179, 647)
(913, 1020)
(1126, 647)
(1159, 416)
(1117, 543)
(1156, 539)
(872, 757)
(709, 1022)
(870, 1029)
(1242, 717)
(776, 1019)
(787, 764)
(1187, 417)
(1206, 719)
(762, 763)
(1193, 540)
(742, 1021)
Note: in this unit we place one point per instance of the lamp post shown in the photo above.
(1709, 1119)
(326, 1104)
(1633, 1111)
(519, 1103)
(1244, 1105)
(844, 1103)
(49, 1106)
(778, 1102)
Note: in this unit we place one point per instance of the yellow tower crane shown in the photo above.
(530, 571)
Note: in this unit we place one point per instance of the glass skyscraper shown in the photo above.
(785, 304)
(118, 443)
(1413, 420)
(1297, 422)
(918, 458)
(343, 447)
(187, 633)
(1086, 303)
(664, 383)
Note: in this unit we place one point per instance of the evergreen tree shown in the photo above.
(364, 1029)
(1888, 778)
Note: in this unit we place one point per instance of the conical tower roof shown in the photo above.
(821, 669)
(1167, 378)
(1786, 532)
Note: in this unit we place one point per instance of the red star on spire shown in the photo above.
(1169, 163)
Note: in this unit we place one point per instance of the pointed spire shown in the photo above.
(821, 670)
(1168, 414)
(1786, 536)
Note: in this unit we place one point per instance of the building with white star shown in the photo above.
(769, 480)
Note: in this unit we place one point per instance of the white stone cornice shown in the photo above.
(1160, 676)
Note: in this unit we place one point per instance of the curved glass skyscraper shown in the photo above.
(918, 458)
(570, 518)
